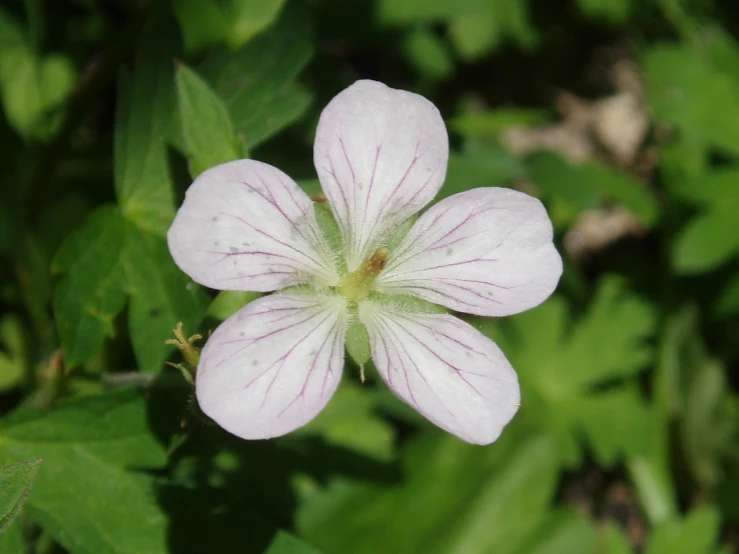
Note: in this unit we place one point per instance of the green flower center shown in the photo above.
(357, 285)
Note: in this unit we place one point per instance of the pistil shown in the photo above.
(356, 286)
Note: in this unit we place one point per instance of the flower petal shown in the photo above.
(444, 368)
(245, 225)
(271, 367)
(381, 155)
(487, 251)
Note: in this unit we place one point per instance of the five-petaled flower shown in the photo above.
(363, 271)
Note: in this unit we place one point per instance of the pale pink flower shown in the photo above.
(381, 156)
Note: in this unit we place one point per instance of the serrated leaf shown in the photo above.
(560, 365)
(256, 81)
(160, 297)
(144, 117)
(617, 423)
(92, 291)
(95, 451)
(15, 483)
(206, 125)
(611, 340)
(686, 91)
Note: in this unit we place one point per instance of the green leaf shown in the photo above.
(616, 423)
(490, 124)
(256, 82)
(249, 17)
(13, 361)
(160, 297)
(428, 53)
(715, 189)
(144, 118)
(284, 543)
(498, 497)
(613, 11)
(413, 11)
(207, 22)
(708, 430)
(228, 302)
(35, 92)
(622, 188)
(626, 320)
(688, 92)
(203, 23)
(728, 302)
(574, 189)
(103, 264)
(707, 241)
(15, 483)
(11, 540)
(352, 409)
(565, 531)
(477, 33)
(613, 541)
(696, 534)
(653, 483)
(560, 366)
(206, 126)
(712, 237)
(480, 165)
(92, 291)
(569, 191)
(12, 39)
(91, 493)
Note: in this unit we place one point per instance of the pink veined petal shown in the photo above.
(487, 251)
(271, 367)
(245, 225)
(381, 155)
(444, 368)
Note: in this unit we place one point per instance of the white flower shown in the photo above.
(381, 156)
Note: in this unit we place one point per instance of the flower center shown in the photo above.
(356, 286)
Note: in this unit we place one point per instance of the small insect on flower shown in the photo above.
(358, 273)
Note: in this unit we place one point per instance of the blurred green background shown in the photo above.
(621, 115)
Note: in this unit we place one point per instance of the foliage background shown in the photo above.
(621, 115)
